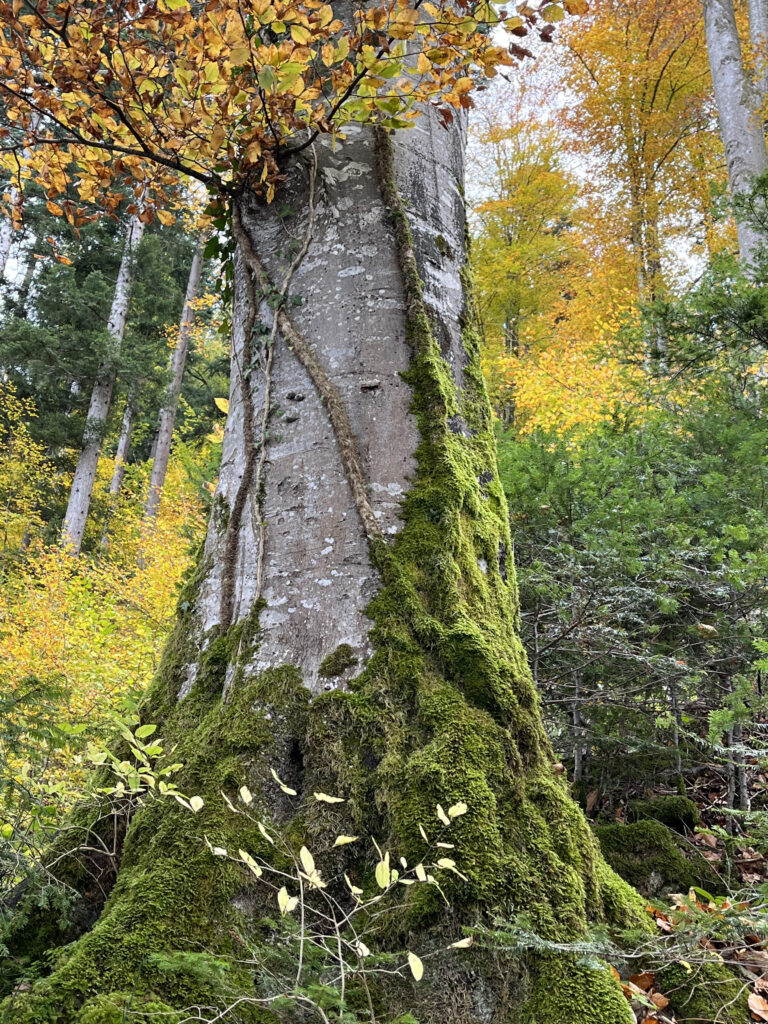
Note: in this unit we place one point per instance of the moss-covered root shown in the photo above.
(705, 993)
(563, 991)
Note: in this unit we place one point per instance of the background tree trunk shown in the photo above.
(164, 435)
(6, 237)
(82, 484)
(758, 32)
(352, 623)
(124, 441)
(737, 106)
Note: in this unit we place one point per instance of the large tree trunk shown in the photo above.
(737, 106)
(164, 436)
(82, 484)
(352, 626)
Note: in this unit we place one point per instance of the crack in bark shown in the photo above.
(232, 536)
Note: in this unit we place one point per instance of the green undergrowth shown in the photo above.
(444, 711)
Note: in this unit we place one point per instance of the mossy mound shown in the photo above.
(676, 812)
(562, 991)
(647, 856)
(704, 993)
(444, 711)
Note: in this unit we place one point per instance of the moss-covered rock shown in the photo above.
(677, 812)
(705, 993)
(647, 855)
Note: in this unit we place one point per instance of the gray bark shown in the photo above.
(737, 106)
(76, 516)
(124, 442)
(300, 542)
(167, 417)
(758, 33)
(6, 236)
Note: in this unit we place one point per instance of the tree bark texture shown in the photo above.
(101, 397)
(6, 237)
(737, 105)
(352, 624)
(124, 440)
(758, 34)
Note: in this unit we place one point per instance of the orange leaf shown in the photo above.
(758, 1006)
(644, 980)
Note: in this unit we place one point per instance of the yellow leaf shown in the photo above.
(281, 784)
(239, 55)
(417, 967)
(285, 902)
(248, 860)
(307, 860)
(223, 405)
(325, 799)
(382, 872)
(300, 34)
(343, 840)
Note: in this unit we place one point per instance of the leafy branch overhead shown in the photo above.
(138, 93)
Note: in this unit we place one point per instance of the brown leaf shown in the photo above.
(658, 1000)
(644, 980)
(758, 1006)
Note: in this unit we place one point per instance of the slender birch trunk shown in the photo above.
(758, 33)
(167, 417)
(124, 441)
(6, 237)
(85, 474)
(737, 106)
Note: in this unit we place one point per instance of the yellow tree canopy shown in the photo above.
(223, 91)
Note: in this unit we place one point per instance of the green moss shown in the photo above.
(117, 1007)
(647, 856)
(707, 993)
(337, 662)
(677, 812)
(563, 991)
